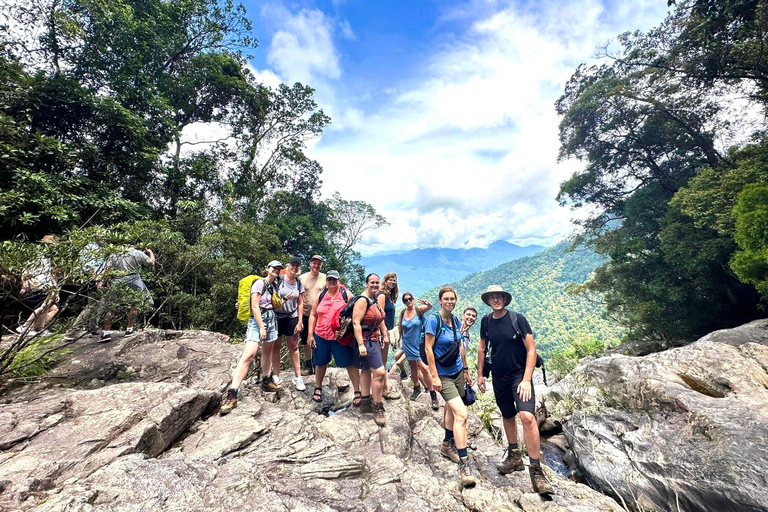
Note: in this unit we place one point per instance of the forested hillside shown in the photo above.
(421, 269)
(538, 285)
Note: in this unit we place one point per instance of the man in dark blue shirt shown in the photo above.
(510, 339)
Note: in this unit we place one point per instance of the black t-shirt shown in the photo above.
(508, 351)
(389, 311)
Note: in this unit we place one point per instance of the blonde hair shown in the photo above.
(394, 292)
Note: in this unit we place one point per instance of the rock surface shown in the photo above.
(685, 429)
(132, 426)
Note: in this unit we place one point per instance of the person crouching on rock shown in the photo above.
(324, 343)
(370, 335)
(409, 325)
(514, 358)
(262, 328)
(448, 368)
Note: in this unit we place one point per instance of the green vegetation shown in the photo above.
(681, 220)
(539, 286)
(97, 115)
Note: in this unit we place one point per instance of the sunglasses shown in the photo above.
(409, 299)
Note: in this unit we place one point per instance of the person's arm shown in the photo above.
(358, 312)
(524, 389)
(424, 306)
(429, 344)
(151, 255)
(467, 376)
(256, 312)
(481, 364)
(300, 311)
(383, 333)
(312, 325)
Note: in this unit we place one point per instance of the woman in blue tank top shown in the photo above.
(409, 324)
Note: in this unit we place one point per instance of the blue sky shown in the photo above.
(443, 111)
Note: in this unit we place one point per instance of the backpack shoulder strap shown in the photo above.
(322, 294)
(344, 295)
(515, 325)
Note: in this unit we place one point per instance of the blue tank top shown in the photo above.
(412, 332)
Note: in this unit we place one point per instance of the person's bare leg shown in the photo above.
(510, 429)
(414, 372)
(384, 355)
(319, 375)
(531, 434)
(266, 358)
(456, 416)
(274, 357)
(378, 381)
(131, 320)
(365, 383)
(250, 351)
(292, 342)
(354, 377)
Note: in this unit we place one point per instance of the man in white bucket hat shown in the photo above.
(509, 337)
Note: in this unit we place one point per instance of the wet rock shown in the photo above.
(684, 428)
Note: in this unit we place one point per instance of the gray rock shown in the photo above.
(684, 428)
(91, 440)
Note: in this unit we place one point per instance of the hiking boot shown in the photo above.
(307, 370)
(106, 337)
(366, 404)
(378, 414)
(435, 403)
(416, 393)
(512, 462)
(229, 402)
(403, 375)
(391, 394)
(539, 480)
(448, 450)
(465, 473)
(268, 384)
(130, 331)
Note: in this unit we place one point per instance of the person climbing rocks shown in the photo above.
(510, 338)
(450, 375)
(314, 283)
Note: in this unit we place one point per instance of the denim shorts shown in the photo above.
(253, 333)
(324, 349)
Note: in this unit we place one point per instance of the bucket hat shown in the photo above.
(495, 288)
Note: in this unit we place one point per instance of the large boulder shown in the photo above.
(685, 429)
(146, 437)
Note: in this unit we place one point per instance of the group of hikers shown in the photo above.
(315, 310)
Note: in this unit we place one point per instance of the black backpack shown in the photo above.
(487, 366)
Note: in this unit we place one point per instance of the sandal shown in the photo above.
(358, 398)
(317, 396)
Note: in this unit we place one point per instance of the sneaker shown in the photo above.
(465, 474)
(539, 480)
(448, 450)
(513, 461)
(298, 382)
(106, 337)
(23, 327)
(416, 393)
(45, 332)
(366, 404)
(129, 332)
(378, 414)
(403, 375)
(435, 403)
(268, 384)
(229, 403)
(277, 379)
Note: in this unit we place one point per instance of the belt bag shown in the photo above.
(453, 353)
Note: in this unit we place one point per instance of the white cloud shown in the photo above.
(346, 30)
(466, 153)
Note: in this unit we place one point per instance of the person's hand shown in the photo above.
(524, 390)
(237, 304)
(362, 350)
(468, 378)
(381, 344)
(436, 383)
(313, 343)
(262, 335)
(299, 327)
(481, 383)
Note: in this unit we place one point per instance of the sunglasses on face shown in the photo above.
(409, 299)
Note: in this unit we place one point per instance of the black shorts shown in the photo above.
(286, 326)
(35, 300)
(304, 331)
(507, 398)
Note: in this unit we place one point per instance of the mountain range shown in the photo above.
(421, 269)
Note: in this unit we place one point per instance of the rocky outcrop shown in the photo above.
(685, 429)
(132, 426)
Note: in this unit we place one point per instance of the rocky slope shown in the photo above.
(132, 426)
(684, 429)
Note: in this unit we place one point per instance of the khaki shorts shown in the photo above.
(453, 386)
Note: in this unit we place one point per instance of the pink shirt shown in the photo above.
(325, 311)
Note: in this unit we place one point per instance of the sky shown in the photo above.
(442, 111)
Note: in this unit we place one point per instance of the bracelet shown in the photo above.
(466, 369)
